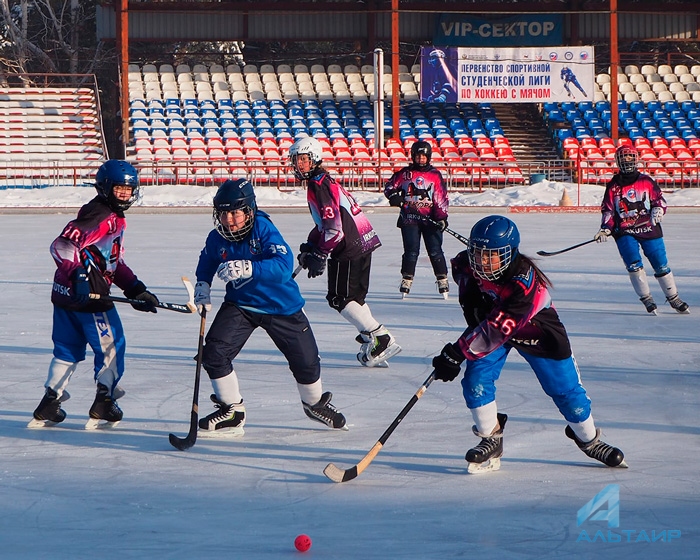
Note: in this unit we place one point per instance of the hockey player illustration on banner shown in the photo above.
(507, 305)
(633, 208)
(88, 256)
(439, 78)
(570, 79)
(420, 192)
(344, 238)
(248, 253)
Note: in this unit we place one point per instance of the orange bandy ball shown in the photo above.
(302, 543)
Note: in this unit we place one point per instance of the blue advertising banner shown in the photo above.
(526, 30)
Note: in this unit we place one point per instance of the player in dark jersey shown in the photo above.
(88, 256)
(506, 303)
(344, 238)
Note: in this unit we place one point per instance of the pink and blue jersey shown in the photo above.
(515, 311)
(94, 241)
(342, 230)
(424, 194)
(626, 209)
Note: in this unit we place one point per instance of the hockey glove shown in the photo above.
(315, 263)
(397, 198)
(202, 296)
(441, 225)
(602, 235)
(311, 259)
(447, 364)
(233, 270)
(147, 301)
(80, 291)
(657, 215)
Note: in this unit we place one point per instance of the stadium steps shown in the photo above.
(528, 135)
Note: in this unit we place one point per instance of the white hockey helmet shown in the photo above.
(306, 146)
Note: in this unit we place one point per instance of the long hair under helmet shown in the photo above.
(310, 147)
(116, 172)
(235, 194)
(493, 239)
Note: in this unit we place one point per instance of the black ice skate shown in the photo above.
(443, 286)
(104, 412)
(649, 304)
(380, 345)
(599, 450)
(323, 411)
(486, 456)
(227, 421)
(678, 304)
(405, 287)
(49, 412)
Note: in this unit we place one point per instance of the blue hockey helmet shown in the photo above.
(117, 172)
(232, 195)
(493, 245)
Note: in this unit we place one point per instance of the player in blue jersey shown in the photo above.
(632, 210)
(570, 79)
(88, 256)
(248, 253)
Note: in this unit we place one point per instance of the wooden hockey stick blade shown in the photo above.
(553, 253)
(188, 307)
(190, 439)
(336, 474)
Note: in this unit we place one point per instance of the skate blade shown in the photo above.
(99, 424)
(382, 358)
(622, 465)
(404, 296)
(35, 424)
(445, 295)
(226, 433)
(486, 466)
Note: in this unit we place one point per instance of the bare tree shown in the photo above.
(48, 37)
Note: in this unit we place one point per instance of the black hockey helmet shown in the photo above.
(117, 172)
(235, 194)
(421, 147)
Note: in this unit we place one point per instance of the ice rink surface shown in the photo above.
(68, 493)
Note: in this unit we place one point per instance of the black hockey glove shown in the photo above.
(311, 259)
(448, 363)
(147, 300)
(397, 199)
(315, 263)
(80, 291)
(441, 225)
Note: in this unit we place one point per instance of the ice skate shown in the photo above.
(104, 412)
(365, 337)
(226, 422)
(49, 412)
(486, 456)
(323, 411)
(443, 287)
(649, 304)
(379, 348)
(405, 287)
(599, 450)
(678, 304)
